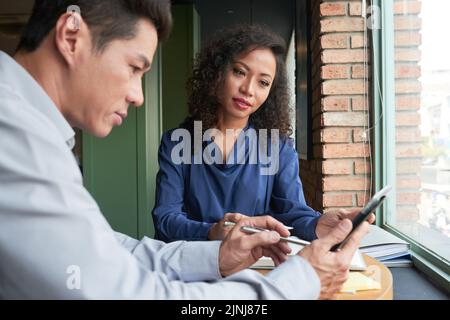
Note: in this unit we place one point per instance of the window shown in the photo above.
(412, 108)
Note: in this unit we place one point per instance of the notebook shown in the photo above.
(357, 263)
(385, 247)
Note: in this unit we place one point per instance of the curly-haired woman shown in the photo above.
(238, 85)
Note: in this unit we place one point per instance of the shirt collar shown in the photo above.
(25, 86)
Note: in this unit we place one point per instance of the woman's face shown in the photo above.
(247, 83)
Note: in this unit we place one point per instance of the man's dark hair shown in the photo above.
(107, 19)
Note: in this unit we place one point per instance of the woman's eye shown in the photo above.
(239, 72)
(265, 83)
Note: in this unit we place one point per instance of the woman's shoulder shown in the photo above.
(174, 137)
(285, 143)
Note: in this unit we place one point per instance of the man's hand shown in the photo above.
(239, 250)
(333, 267)
(331, 219)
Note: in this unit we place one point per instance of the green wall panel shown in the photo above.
(178, 54)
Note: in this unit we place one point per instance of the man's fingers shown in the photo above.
(277, 256)
(284, 247)
(267, 222)
(337, 234)
(282, 256)
(264, 238)
(371, 219)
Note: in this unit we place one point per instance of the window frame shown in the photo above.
(433, 265)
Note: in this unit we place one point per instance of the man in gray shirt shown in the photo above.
(84, 70)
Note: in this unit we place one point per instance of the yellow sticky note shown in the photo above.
(357, 282)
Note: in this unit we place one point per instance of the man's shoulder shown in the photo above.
(18, 116)
(7, 92)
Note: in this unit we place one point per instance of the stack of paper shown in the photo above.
(357, 262)
(386, 248)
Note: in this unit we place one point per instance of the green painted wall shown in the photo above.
(178, 54)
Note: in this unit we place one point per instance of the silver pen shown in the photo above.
(257, 229)
(229, 223)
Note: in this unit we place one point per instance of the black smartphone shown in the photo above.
(371, 206)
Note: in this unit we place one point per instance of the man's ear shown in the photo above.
(71, 36)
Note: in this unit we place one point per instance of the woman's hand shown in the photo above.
(219, 230)
(328, 221)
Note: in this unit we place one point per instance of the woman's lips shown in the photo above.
(241, 104)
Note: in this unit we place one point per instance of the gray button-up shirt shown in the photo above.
(56, 244)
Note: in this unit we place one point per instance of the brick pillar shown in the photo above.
(407, 93)
(337, 176)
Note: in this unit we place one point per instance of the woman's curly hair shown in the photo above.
(209, 71)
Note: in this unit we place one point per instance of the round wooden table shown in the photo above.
(375, 270)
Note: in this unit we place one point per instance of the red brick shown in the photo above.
(342, 25)
(335, 104)
(337, 166)
(342, 56)
(357, 41)
(407, 71)
(337, 200)
(407, 119)
(407, 23)
(334, 41)
(407, 38)
(362, 167)
(343, 87)
(408, 150)
(359, 104)
(407, 182)
(335, 72)
(326, 210)
(355, 9)
(362, 198)
(406, 214)
(408, 166)
(408, 134)
(354, 150)
(347, 119)
(407, 55)
(333, 135)
(345, 184)
(359, 72)
(408, 198)
(358, 135)
(407, 102)
(407, 7)
(332, 9)
(409, 86)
